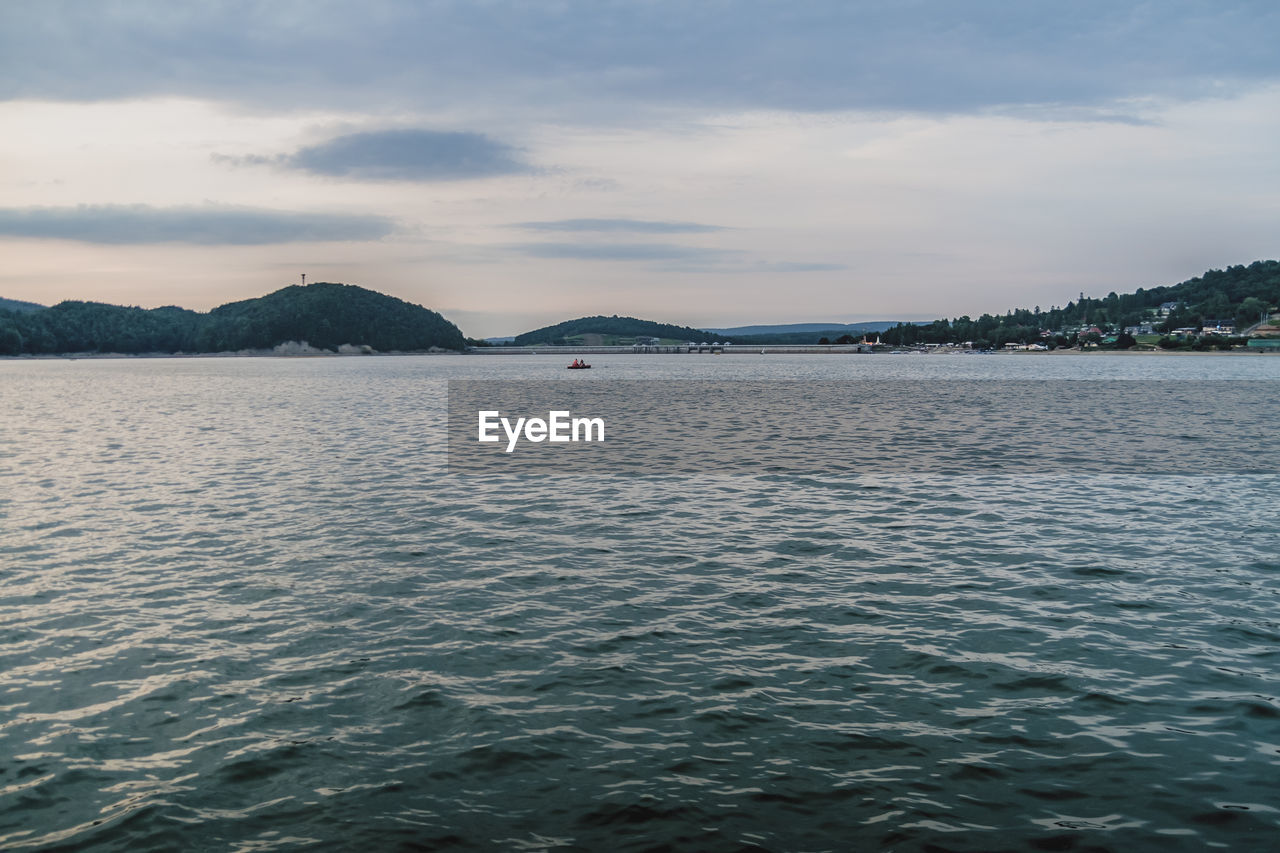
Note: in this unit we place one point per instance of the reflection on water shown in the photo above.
(242, 607)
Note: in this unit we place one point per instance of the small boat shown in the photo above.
(579, 367)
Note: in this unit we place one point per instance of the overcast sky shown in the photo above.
(512, 164)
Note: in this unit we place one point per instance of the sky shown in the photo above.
(515, 164)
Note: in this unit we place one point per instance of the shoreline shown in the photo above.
(78, 356)
(1130, 352)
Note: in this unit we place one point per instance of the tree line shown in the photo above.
(1240, 295)
(325, 315)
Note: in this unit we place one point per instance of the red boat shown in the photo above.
(579, 367)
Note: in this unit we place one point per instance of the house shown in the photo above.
(1167, 308)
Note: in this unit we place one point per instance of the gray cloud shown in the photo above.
(635, 226)
(407, 155)
(208, 225)
(669, 257)
(738, 264)
(580, 58)
(798, 266)
(622, 252)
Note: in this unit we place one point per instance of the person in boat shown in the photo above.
(576, 363)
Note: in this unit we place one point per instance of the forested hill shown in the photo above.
(19, 306)
(325, 315)
(615, 326)
(1238, 295)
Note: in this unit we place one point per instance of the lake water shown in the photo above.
(244, 607)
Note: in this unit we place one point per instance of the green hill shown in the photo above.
(1239, 295)
(325, 315)
(614, 327)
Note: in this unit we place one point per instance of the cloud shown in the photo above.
(798, 266)
(622, 252)
(210, 225)
(1128, 114)
(737, 264)
(670, 257)
(580, 57)
(636, 226)
(403, 155)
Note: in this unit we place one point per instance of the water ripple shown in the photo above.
(244, 609)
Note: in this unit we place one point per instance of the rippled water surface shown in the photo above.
(242, 607)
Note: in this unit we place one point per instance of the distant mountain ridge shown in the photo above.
(801, 328)
(628, 328)
(325, 315)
